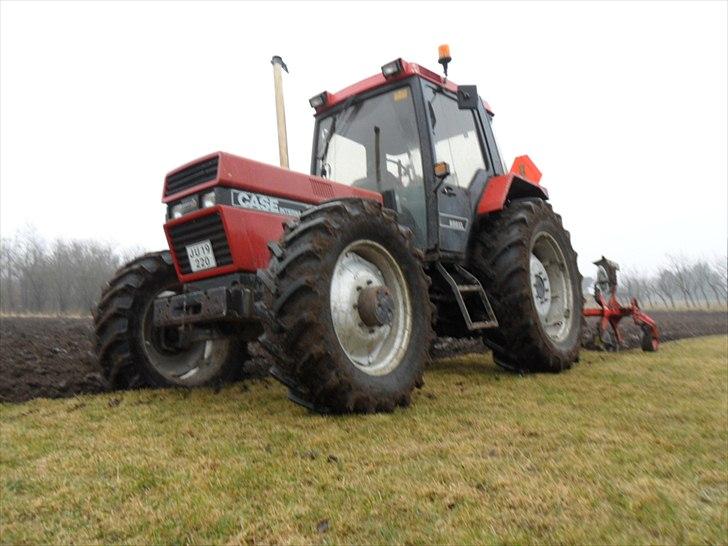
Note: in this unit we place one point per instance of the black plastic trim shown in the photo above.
(198, 173)
(196, 230)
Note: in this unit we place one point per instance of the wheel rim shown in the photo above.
(191, 366)
(551, 287)
(368, 285)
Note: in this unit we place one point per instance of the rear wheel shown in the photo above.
(350, 316)
(524, 259)
(132, 352)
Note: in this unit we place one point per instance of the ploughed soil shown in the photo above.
(52, 357)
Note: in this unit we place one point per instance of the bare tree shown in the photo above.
(701, 272)
(637, 285)
(683, 278)
(9, 299)
(717, 279)
(665, 286)
(62, 277)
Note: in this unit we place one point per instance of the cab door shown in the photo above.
(457, 140)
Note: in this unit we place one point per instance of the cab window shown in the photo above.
(454, 137)
(374, 144)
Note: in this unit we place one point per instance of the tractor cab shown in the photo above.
(423, 143)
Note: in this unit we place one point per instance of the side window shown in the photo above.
(347, 159)
(455, 137)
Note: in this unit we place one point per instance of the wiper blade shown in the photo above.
(332, 130)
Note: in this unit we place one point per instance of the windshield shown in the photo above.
(374, 144)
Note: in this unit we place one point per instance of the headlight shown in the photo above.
(183, 207)
(392, 69)
(209, 200)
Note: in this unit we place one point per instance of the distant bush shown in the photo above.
(61, 276)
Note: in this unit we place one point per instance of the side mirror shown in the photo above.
(467, 97)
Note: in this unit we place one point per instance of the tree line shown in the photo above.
(67, 276)
(56, 277)
(679, 282)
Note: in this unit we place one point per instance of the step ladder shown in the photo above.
(470, 296)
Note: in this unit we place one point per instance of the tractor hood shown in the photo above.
(231, 171)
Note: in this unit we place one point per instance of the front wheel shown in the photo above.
(350, 317)
(132, 352)
(524, 259)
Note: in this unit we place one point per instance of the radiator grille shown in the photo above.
(204, 171)
(200, 229)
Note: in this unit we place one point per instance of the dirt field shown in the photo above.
(53, 357)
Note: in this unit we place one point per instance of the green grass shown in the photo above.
(627, 448)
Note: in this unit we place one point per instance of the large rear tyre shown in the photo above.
(350, 316)
(133, 353)
(524, 259)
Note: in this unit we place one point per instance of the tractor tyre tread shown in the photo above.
(298, 332)
(500, 260)
(117, 324)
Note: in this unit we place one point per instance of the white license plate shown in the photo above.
(201, 256)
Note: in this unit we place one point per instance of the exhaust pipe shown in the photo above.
(278, 64)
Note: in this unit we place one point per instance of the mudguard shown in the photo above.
(521, 181)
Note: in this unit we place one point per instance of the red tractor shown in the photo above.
(408, 226)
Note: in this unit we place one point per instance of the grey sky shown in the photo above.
(623, 106)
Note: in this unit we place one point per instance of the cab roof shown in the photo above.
(378, 80)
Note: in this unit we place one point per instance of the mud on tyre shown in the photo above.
(349, 314)
(524, 259)
(133, 353)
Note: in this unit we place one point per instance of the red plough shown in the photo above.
(611, 311)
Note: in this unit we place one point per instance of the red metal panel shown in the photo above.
(248, 233)
(246, 174)
(494, 196)
(497, 191)
(526, 169)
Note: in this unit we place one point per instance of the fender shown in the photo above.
(521, 181)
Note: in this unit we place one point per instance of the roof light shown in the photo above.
(319, 100)
(443, 53)
(392, 69)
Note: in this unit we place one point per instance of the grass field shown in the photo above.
(627, 448)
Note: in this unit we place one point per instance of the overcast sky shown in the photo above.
(623, 106)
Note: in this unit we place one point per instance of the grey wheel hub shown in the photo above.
(551, 287)
(375, 306)
(370, 307)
